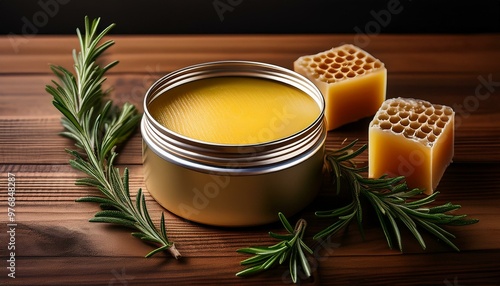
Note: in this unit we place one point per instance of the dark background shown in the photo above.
(252, 16)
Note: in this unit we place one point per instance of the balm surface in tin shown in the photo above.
(233, 143)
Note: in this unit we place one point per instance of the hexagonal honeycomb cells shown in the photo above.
(352, 82)
(411, 138)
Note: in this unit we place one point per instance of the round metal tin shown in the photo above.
(232, 185)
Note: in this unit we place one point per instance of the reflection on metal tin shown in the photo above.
(233, 143)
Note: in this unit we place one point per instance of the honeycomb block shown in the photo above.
(412, 138)
(352, 82)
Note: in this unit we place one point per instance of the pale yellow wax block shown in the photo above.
(235, 110)
(411, 138)
(352, 82)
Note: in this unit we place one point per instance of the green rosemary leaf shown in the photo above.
(250, 271)
(380, 215)
(257, 259)
(139, 235)
(423, 201)
(67, 113)
(293, 264)
(115, 220)
(98, 200)
(443, 208)
(108, 207)
(111, 64)
(411, 225)
(70, 135)
(285, 222)
(138, 198)
(281, 236)
(116, 184)
(305, 247)
(270, 261)
(403, 216)
(462, 222)
(150, 239)
(90, 182)
(335, 174)
(262, 250)
(163, 229)
(284, 255)
(84, 166)
(395, 229)
(125, 185)
(164, 248)
(336, 212)
(351, 155)
(359, 211)
(115, 214)
(334, 228)
(372, 183)
(144, 211)
(405, 193)
(303, 260)
(376, 202)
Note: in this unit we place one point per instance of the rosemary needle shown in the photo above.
(290, 247)
(97, 127)
(394, 203)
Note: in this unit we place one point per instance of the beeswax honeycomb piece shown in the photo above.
(411, 138)
(352, 82)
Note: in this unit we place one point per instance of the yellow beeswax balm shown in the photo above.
(411, 138)
(352, 82)
(235, 110)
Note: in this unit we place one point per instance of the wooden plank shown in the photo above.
(426, 53)
(421, 269)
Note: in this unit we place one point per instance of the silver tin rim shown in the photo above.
(226, 158)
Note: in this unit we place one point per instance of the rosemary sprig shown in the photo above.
(290, 247)
(391, 199)
(97, 128)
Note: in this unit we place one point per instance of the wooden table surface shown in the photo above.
(56, 245)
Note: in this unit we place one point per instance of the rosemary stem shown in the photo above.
(97, 127)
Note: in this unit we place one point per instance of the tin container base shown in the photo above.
(230, 200)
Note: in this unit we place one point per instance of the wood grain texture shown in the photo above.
(56, 245)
